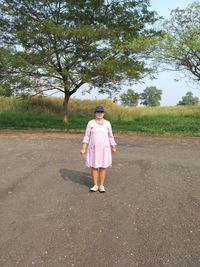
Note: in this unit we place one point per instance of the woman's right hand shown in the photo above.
(83, 149)
(83, 152)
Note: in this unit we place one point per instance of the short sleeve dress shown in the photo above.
(99, 137)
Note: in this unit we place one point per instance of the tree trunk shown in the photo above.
(67, 97)
(65, 107)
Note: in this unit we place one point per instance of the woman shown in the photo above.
(97, 145)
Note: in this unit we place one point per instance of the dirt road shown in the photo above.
(149, 216)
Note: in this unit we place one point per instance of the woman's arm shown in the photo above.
(83, 149)
(111, 138)
(86, 138)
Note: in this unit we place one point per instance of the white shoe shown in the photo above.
(94, 188)
(102, 189)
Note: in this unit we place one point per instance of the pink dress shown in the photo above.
(99, 138)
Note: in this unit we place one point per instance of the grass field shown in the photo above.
(46, 112)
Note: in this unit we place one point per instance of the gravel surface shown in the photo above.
(148, 217)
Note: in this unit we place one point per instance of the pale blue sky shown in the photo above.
(172, 90)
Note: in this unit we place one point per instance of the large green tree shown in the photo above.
(180, 48)
(5, 89)
(151, 96)
(62, 45)
(11, 82)
(189, 99)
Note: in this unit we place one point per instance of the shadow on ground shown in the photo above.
(82, 178)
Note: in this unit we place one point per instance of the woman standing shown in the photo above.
(97, 145)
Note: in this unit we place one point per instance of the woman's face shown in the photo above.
(99, 115)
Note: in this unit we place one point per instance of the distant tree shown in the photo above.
(151, 96)
(180, 48)
(189, 99)
(63, 45)
(130, 98)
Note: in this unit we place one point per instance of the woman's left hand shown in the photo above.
(114, 149)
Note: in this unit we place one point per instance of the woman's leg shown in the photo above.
(95, 173)
(102, 174)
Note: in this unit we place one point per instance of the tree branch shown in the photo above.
(76, 88)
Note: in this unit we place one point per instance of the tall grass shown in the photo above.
(114, 111)
(47, 112)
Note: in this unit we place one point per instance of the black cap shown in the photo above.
(99, 109)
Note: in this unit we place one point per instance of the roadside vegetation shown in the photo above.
(47, 112)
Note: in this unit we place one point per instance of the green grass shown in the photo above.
(16, 113)
(162, 124)
(19, 120)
